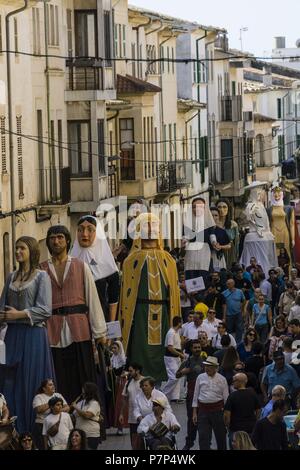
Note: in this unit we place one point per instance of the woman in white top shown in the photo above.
(59, 440)
(88, 414)
(143, 400)
(41, 406)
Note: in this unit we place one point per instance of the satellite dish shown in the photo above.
(298, 43)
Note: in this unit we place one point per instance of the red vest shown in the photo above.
(71, 293)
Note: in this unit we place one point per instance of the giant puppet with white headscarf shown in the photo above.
(149, 299)
(198, 239)
(259, 242)
(91, 246)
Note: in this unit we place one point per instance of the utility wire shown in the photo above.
(151, 60)
(197, 160)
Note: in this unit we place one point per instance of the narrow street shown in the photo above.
(114, 442)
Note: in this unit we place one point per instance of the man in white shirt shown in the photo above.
(192, 331)
(187, 324)
(211, 323)
(172, 358)
(130, 391)
(159, 416)
(211, 392)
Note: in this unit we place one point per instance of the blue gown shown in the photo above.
(28, 355)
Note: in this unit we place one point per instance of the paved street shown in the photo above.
(114, 442)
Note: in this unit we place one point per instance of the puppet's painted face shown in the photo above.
(86, 234)
(198, 208)
(223, 209)
(150, 230)
(277, 195)
(257, 194)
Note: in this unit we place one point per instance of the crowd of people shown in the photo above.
(197, 327)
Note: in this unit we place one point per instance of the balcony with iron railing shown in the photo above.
(89, 79)
(54, 186)
(113, 180)
(172, 176)
(84, 74)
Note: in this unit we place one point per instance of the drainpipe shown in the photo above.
(198, 99)
(156, 29)
(160, 85)
(206, 48)
(186, 136)
(137, 29)
(10, 127)
(51, 163)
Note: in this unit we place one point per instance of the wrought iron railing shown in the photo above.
(174, 175)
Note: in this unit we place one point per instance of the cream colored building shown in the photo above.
(147, 127)
(56, 132)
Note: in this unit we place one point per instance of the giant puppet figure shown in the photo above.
(295, 202)
(150, 298)
(282, 222)
(259, 241)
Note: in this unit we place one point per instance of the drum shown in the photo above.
(159, 430)
(8, 437)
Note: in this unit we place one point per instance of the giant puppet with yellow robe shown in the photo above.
(150, 298)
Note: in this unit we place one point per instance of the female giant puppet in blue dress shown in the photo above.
(25, 306)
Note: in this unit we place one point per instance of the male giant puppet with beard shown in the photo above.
(149, 299)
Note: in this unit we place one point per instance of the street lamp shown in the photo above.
(241, 36)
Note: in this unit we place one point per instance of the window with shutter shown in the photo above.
(53, 25)
(116, 40)
(20, 157)
(16, 36)
(107, 37)
(133, 59)
(145, 149)
(101, 147)
(3, 144)
(1, 42)
(70, 32)
(124, 40)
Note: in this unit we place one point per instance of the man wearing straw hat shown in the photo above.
(211, 392)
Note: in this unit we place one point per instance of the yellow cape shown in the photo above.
(132, 269)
